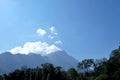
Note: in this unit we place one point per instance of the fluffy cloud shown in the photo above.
(41, 32)
(39, 47)
(58, 42)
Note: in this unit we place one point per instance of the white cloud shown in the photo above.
(39, 47)
(41, 32)
(51, 37)
(53, 31)
(58, 42)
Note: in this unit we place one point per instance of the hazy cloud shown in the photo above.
(39, 47)
(51, 37)
(41, 32)
(53, 33)
(58, 42)
(53, 30)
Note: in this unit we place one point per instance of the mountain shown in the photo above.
(10, 62)
(61, 58)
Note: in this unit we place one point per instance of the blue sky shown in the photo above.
(86, 28)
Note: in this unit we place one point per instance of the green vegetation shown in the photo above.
(87, 69)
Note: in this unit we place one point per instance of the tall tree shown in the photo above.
(72, 74)
(85, 65)
(47, 71)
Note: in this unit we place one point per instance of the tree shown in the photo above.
(113, 64)
(47, 71)
(85, 65)
(58, 73)
(80, 67)
(72, 74)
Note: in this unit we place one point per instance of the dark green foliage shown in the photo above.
(88, 69)
(46, 72)
(103, 69)
(72, 74)
(85, 65)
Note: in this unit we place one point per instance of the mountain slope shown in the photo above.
(61, 58)
(10, 62)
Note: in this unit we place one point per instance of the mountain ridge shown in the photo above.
(10, 62)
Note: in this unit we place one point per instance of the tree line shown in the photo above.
(87, 69)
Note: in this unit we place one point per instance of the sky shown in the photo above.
(82, 28)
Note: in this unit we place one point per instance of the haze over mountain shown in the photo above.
(10, 62)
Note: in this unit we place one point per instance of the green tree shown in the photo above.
(113, 64)
(72, 74)
(85, 65)
(47, 71)
(58, 73)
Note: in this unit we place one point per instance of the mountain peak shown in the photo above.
(6, 53)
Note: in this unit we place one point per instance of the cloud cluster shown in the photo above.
(53, 30)
(58, 42)
(53, 33)
(41, 32)
(39, 47)
(50, 36)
